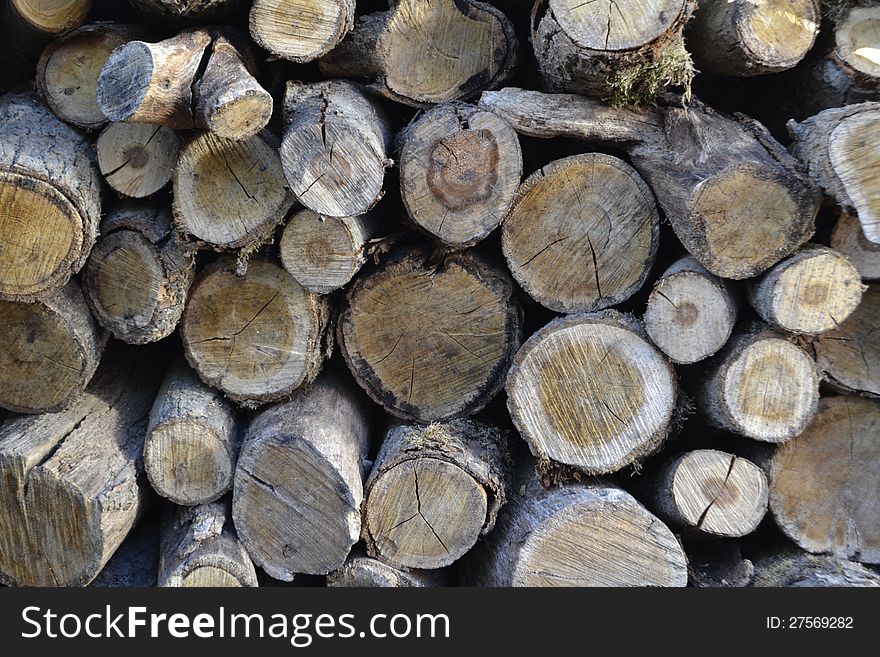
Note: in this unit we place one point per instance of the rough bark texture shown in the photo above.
(299, 480)
(360, 571)
(301, 30)
(849, 240)
(793, 568)
(138, 275)
(177, 10)
(735, 198)
(136, 159)
(422, 53)
(433, 492)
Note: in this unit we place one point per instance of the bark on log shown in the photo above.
(49, 351)
(257, 337)
(201, 549)
(364, 572)
(460, 168)
(579, 535)
(422, 53)
(582, 233)
(136, 159)
(334, 148)
(793, 568)
(431, 343)
(230, 194)
(738, 212)
(71, 487)
(841, 150)
(849, 239)
(582, 46)
(301, 30)
(50, 203)
(433, 492)
(849, 356)
(192, 440)
(185, 10)
(825, 484)
(812, 291)
(589, 391)
(138, 275)
(691, 312)
(711, 493)
(761, 386)
(299, 480)
(324, 253)
(752, 38)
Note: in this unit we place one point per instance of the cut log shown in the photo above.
(590, 391)
(579, 535)
(582, 233)
(738, 212)
(299, 480)
(192, 440)
(433, 492)
(201, 549)
(301, 30)
(334, 148)
(592, 47)
(825, 484)
(761, 386)
(230, 194)
(136, 159)
(690, 313)
(137, 278)
(423, 53)
(324, 253)
(49, 351)
(849, 356)
(50, 203)
(841, 149)
(52, 17)
(135, 564)
(752, 38)
(812, 291)
(711, 493)
(71, 481)
(849, 239)
(460, 168)
(257, 337)
(186, 10)
(431, 343)
(793, 568)
(713, 564)
(364, 572)
(67, 73)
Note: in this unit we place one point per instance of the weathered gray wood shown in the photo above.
(790, 567)
(360, 571)
(137, 159)
(849, 239)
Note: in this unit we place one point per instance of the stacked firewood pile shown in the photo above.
(430, 292)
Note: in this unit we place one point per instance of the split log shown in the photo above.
(793, 568)
(50, 203)
(761, 386)
(324, 253)
(364, 572)
(201, 549)
(71, 486)
(138, 275)
(849, 239)
(713, 564)
(192, 440)
(433, 492)
(137, 159)
(49, 351)
(299, 480)
(186, 10)
(752, 38)
(423, 53)
(582, 233)
(460, 168)
(711, 493)
(230, 194)
(812, 291)
(334, 148)
(68, 69)
(825, 484)
(590, 391)
(841, 150)
(690, 313)
(431, 343)
(590, 47)
(849, 356)
(301, 30)
(257, 337)
(582, 534)
(738, 212)
(135, 564)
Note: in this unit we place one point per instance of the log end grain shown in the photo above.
(848, 239)
(300, 30)
(136, 159)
